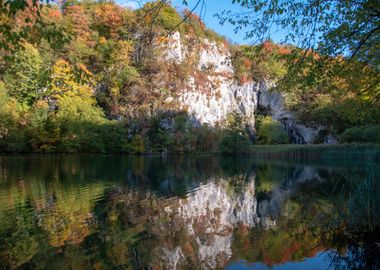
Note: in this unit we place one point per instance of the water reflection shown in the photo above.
(187, 213)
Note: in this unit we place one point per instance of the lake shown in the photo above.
(175, 212)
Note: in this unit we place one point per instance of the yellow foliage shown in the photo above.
(123, 52)
(102, 40)
(64, 83)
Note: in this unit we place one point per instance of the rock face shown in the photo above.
(274, 103)
(174, 48)
(211, 97)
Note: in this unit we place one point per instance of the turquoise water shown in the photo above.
(115, 212)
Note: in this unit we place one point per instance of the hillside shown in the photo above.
(156, 81)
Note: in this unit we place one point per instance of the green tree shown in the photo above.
(270, 131)
(39, 137)
(77, 118)
(75, 124)
(23, 77)
(160, 13)
(235, 140)
(362, 134)
(9, 115)
(137, 145)
(233, 143)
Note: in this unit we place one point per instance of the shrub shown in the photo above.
(12, 138)
(234, 143)
(259, 62)
(7, 109)
(204, 138)
(362, 134)
(270, 131)
(162, 15)
(39, 137)
(137, 145)
(75, 121)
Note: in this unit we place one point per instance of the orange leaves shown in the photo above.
(79, 21)
(244, 79)
(52, 13)
(268, 46)
(28, 16)
(194, 18)
(246, 62)
(284, 50)
(147, 19)
(109, 17)
(162, 40)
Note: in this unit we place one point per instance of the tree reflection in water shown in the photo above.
(183, 213)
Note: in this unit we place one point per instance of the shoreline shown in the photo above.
(254, 150)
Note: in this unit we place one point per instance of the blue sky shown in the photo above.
(212, 7)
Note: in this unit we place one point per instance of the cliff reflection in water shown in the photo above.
(177, 213)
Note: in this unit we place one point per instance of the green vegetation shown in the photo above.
(335, 93)
(332, 79)
(24, 75)
(270, 131)
(102, 89)
(234, 143)
(362, 134)
(261, 62)
(318, 152)
(89, 76)
(234, 139)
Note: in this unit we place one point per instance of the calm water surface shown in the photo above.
(113, 212)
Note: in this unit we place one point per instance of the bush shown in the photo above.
(259, 62)
(233, 143)
(270, 131)
(12, 138)
(136, 146)
(164, 16)
(362, 134)
(206, 138)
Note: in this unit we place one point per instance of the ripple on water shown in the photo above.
(117, 212)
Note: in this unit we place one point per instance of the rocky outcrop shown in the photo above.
(211, 92)
(210, 97)
(273, 102)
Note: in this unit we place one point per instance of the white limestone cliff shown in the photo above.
(211, 98)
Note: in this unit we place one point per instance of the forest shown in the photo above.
(86, 77)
